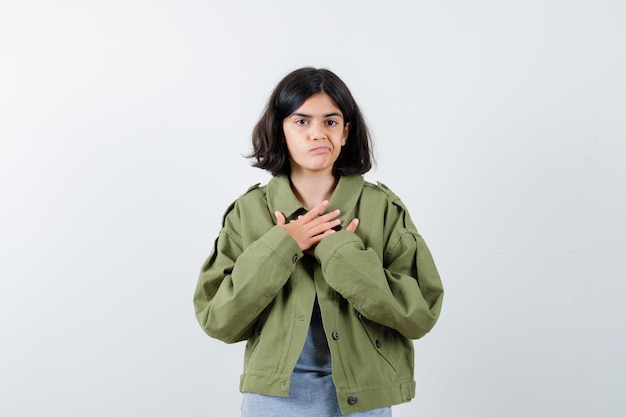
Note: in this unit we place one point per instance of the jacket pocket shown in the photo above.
(383, 340)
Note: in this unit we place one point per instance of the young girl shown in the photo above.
(323, 273)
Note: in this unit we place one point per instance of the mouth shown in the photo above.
(321, 149)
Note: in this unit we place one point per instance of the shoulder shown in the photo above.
(396, 210)
(253, 195)
(255, 191)
(380, 190)
(251, 199)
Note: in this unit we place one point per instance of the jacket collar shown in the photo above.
(281, 198)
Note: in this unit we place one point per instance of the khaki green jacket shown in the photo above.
(377, 288)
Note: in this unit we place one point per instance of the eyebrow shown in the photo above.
(310, 116)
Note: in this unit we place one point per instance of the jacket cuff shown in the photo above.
(282, 244)
(333, 242)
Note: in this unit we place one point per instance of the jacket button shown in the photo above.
(294, 258)
(378, 344)
(336, 335)
(353, 399)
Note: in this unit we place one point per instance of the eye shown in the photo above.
(301, 122)
(331, 122)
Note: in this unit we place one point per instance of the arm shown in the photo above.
(403, 292)
(236, 284)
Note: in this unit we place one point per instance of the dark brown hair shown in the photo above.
(268, 138)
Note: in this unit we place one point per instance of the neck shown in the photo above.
(311, 190)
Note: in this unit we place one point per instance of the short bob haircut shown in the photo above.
(268, 138)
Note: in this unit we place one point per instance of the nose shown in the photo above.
(317, 131)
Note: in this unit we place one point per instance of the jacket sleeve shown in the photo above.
(236, 284)
(402, 292)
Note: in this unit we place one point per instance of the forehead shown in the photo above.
(318, 105)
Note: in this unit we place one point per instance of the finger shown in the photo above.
(318, 238)
(328, 216)
(315, 211)
(321, 223)
(280, 219)
(353, 225)
(319, 228)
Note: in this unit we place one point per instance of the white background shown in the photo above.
(502, 125)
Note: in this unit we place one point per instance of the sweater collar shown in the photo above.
(280, 196)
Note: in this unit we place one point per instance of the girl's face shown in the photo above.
(315, 133)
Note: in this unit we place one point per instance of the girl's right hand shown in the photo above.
(308, 230)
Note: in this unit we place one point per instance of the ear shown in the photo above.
(346, 133)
